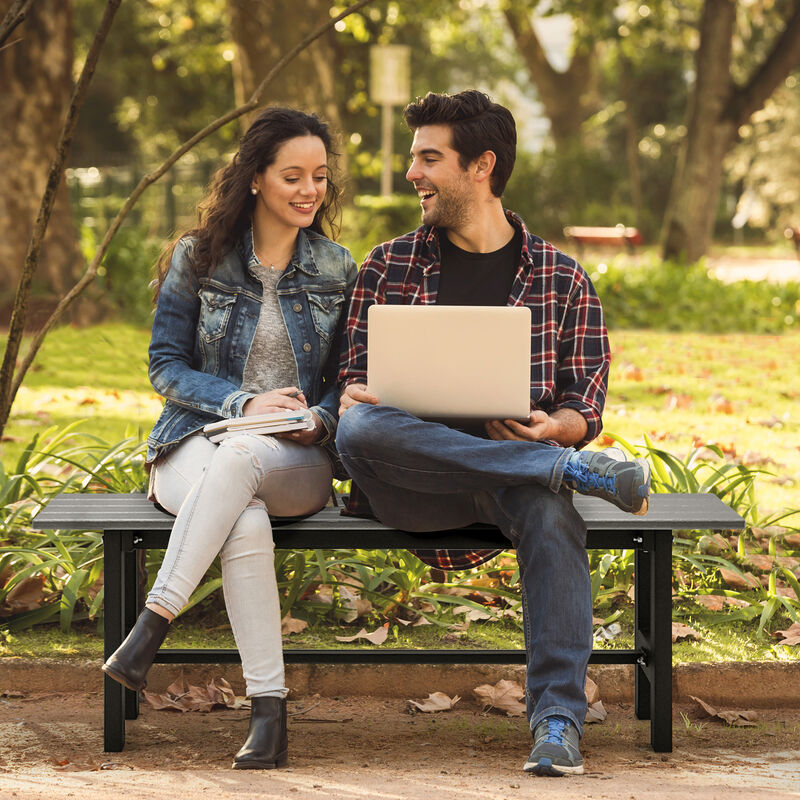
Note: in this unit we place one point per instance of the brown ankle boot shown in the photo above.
(266, 746)
(129, 663)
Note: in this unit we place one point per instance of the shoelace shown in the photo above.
(587, 479)
(555, 730)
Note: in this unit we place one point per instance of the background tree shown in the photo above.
(36, 76)
(724, 97)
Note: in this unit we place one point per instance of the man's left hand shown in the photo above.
(539, 426)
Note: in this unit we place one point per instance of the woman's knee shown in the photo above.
(251, 534)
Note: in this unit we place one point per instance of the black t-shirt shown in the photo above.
(477, 279)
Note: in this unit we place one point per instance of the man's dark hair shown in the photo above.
(477, 124)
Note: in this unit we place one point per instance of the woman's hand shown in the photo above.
(288, 398)
(305, 437)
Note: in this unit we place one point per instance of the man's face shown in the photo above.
(444, 188)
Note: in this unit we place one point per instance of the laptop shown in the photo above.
(455, 364)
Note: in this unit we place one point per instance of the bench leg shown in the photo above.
(661, 638)
(642, 593)
(113, 622)
(130, 604)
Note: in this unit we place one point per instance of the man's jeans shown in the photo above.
(221, 494)
(423, 476)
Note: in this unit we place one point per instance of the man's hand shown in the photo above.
(565, 426)
(539, 426)
(354, 394)
(287, 398)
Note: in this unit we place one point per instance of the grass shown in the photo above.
(720, 641)
(97, 374)
(740, 391)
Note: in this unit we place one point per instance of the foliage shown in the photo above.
(374, 219)
(664, 295)
(126, 271)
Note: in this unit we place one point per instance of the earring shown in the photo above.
(253, 190)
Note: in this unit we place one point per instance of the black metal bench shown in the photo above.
(130, 523)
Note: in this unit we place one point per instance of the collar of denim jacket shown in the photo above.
(302, 259)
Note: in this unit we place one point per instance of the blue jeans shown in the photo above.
(423, 476)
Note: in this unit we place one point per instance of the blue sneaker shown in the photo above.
(555, 749)
(626, 484)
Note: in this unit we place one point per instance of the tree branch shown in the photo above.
(150, 178)
(14, 16)
(19, 313)
(782, 59)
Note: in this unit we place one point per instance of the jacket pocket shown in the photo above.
(325, 310)
(215, 312)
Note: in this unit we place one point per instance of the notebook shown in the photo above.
(456, 364)
(275, 422)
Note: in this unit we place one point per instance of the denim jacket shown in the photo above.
(203, 330)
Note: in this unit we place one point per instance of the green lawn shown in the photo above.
(740, 391)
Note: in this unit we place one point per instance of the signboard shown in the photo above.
(390, 74)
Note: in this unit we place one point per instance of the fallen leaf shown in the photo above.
(595, 713)
(720, 404)
(738, 581)
(437, 701)
(681, 631)
(678, 401)
(355, 604)
(504, 696)
(473, 614)
(791, 636)
(716, 602)
(377, 636)
(184, 697)
(290, 625)
(27, 595)
(738, 719)
(759, 561)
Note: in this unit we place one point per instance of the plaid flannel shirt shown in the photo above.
(569, 345)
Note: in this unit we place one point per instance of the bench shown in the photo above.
(618, 236)
(131, 524)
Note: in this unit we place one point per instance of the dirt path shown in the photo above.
(363, 748)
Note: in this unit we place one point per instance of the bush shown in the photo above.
(663, 295)
(373, 219)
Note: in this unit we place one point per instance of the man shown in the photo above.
(424, 476)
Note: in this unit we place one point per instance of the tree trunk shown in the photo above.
(718, 108)
(36, 75)
(698, 174)
(564, 95)
(262, 33)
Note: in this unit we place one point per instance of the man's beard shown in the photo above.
(451, 209)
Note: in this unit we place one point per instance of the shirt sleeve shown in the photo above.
(369, 289)
(583, 358)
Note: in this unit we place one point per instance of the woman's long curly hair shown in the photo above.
(226, 211)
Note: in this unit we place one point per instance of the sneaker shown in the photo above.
(555, 749)
(626, 484)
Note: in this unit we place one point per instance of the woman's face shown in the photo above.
(292, 188)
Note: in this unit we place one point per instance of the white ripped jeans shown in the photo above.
(221, 495)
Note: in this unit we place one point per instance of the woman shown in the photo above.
(250, 307)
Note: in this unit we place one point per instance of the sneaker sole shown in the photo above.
(645, 465)
(545, 768)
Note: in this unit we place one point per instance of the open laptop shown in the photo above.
(457, 364)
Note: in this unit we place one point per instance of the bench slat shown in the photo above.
(135, 512)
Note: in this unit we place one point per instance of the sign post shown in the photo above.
(390, 85)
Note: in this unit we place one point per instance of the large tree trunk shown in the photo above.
(717, 110)
(565, 96)
(263, 32)
(698, 175)
(36, 76)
